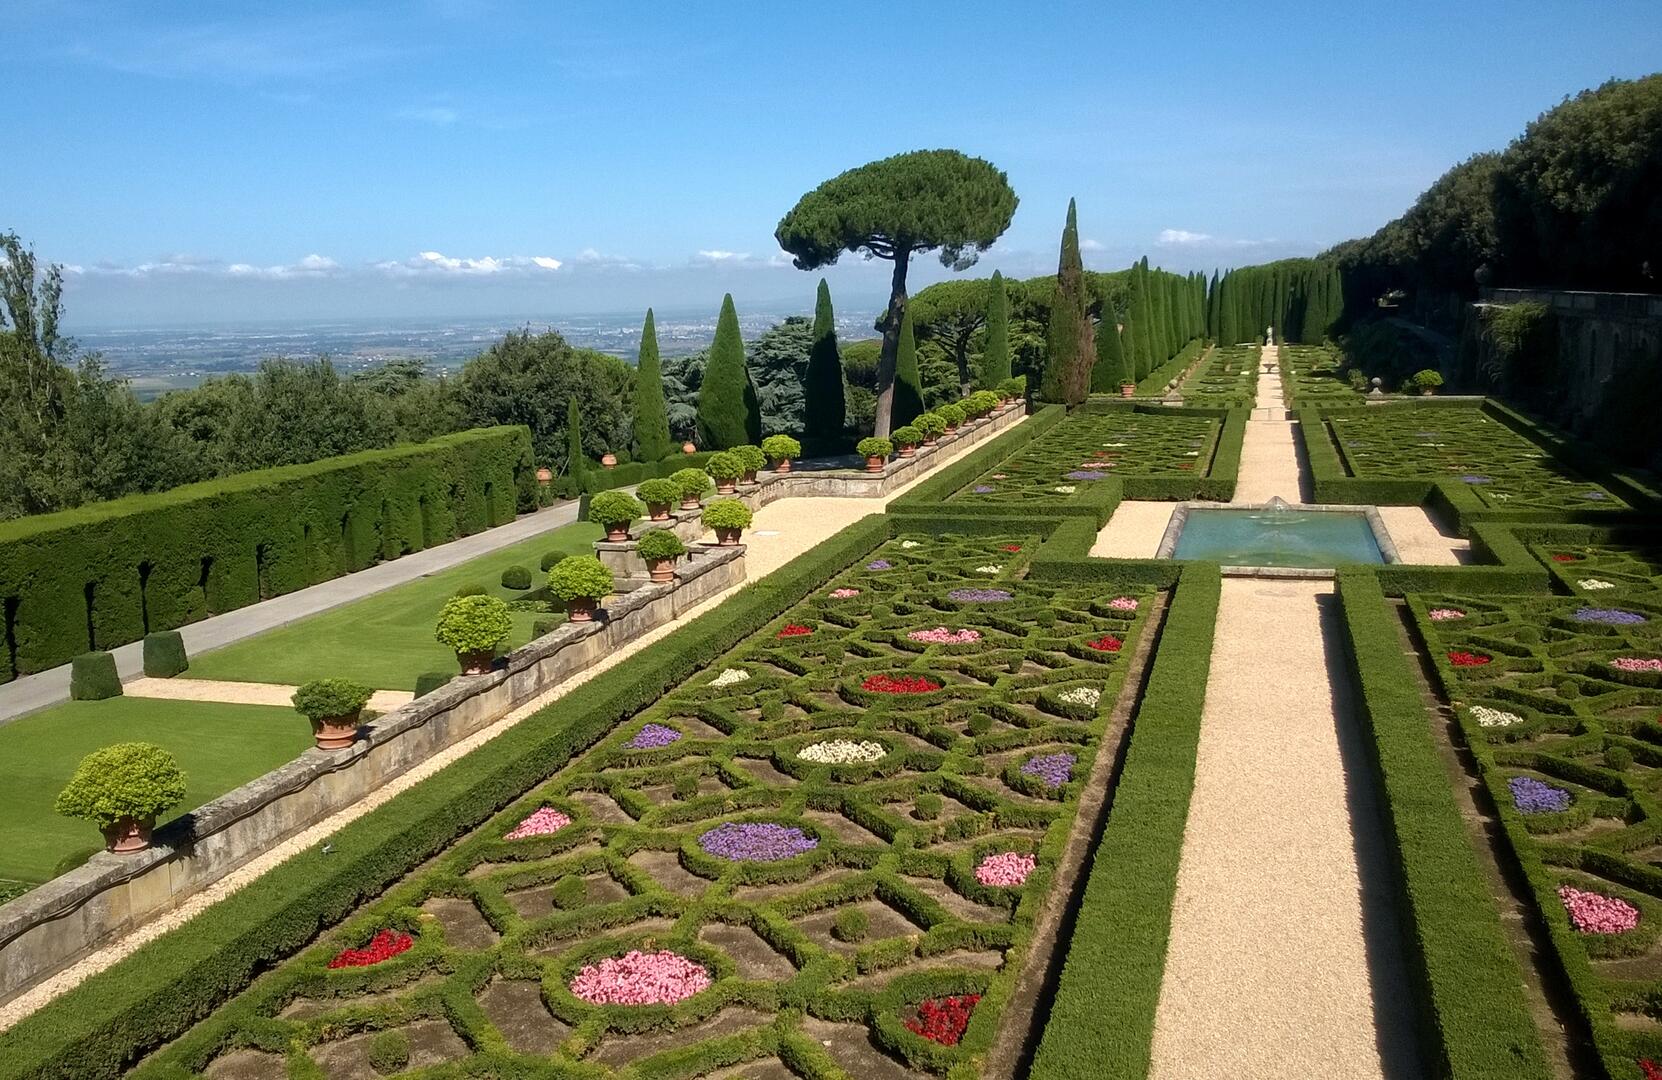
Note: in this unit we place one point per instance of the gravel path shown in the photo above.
(785, 529)
(1269, 453)
(1134, 531)
(244, 693)
(1421, 540)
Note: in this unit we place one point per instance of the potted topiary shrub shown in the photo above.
(608, 460)
(753, 460)
(472, 627)
(1427, 381)
(122, 789)
(660, 548)
(1128, 389)
(725, 468)
(728, 517)
(931, 425)
(1014, 388)
(333, 707)
(613, 511)
(985, 402)
(906, 438)
(582, 581)
(692, 483)
(688, 447)
(953, 415)
(659, 494)
(876, 452)
(780, 449)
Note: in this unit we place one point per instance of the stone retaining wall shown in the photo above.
(50, 927)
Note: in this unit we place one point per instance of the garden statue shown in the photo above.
(1269, 335)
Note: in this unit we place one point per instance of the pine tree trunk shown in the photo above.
(891, 339)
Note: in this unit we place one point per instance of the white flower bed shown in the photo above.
(1593, 584)
(988, 569)
(910, 544)
(730, 676)
(1081, 695)
(1487, 717)
(842, 752)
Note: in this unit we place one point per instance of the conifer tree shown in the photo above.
(1143, 319)
(908, 384)
(1071, 351)
(728, 413)
(651, 414)
(995, 357)
(824, 410)
(1110, 369)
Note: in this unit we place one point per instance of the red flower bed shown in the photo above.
(1011, 547)
(385, 945)
(1561, 557)
(795, 630)
(1461, 658)
(903, 684)
(943, 1019)
(1106, 643)
(1651, 1069)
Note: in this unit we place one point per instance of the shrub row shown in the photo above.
(1101, 1022)
(944, 482)
(1472, 1007)
(102, 1026)
(1154, 382)
(107, 574)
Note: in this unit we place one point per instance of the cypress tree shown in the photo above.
(728, 412)
(824, 411)
(575, 462)
(1162, 318)
(1071, 352)
(995, 358)
(651, 415)
(908, 384)
(1174, 323)
(1213, 330)
(1143, 319)
(1110, 369)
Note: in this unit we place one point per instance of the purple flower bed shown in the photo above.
(1053, 770)
(653, 736)
(1474, 479)
(879, 564)
(1084, 474)
(1531, 796)
(1608, 616)
(983, 489)
(980, 596)
(756, 842)
(1593, 495)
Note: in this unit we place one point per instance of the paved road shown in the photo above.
(33, 692)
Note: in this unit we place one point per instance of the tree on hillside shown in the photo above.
(1069, 345)
(523, 378)
(908, 383)
(778, 365)
(825, 407)
(995, 357)
(891, 209)
(728, 412)
(951, 313)
(651, 415)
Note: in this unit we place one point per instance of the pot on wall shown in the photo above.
(545, 476)
(617, 534)
(782, 465)
(478, 662)
(908, 451)
(728, 537)
(874, 463)
(1128, 389)
(688, 448)
(658, 511)
(335, 732)
(662, 570)
(726, 487)
(127, 835)
(581, 609)
(608, 461)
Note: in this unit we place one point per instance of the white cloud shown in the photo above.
(1090, 245)
(312, 266)
(437, 115)
(437, 264)
(1182, 237)
(717, 256)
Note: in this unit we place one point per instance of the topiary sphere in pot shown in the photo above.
(582, 581)
(931, 425)
(122, 789)
(753, 460)
(727, 517)
(472, 627)
(659, 494)
(726, 468)
(906, 437)
(333, 706)
(613, 511)
(659, 548)
(876, 451)
(692, 483)
(780, 449)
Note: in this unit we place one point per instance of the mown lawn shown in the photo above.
(219, 747)
(386, 640)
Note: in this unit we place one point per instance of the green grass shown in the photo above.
(219, 747)
(386, 640)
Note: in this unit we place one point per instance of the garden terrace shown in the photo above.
(1227, 378)
(1311, 375)
(859, 808)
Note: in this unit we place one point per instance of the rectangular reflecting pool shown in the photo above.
(1277, 536)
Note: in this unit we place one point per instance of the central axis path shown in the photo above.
(1284, 959)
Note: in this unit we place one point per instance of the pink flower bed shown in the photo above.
(541, 823)
(637, 978)
(1636, 663)
(1123, 603)
(1595, 913)
(1445, 614)
(1004, 870)
(844, 594)
(942, 636)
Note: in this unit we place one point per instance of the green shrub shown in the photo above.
(578, 577)
(874, 447)
(981, 402)
(92, 677)
(927, 806)
(327, 699)
(128, 780)
(1357, 380)
(753, 458)
(1427, 379)
(684, 786)
(516, 577)
(569, 893)
(473, 624)
(656, 544)
(658, 491)
(1014, 387)
(614, 508)
(471, 590)
(851, 924)
(389, 1052)
(979, 724)
(952, 414)
(930, 424)
(164, 654)
(906, 435)
(691, 483)
(1619, 758)
(725, 467)
(428, 681)
(726, 514)
(781, 448)
(1569, 688)
(549, 558)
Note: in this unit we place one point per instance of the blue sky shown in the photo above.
(475, 157)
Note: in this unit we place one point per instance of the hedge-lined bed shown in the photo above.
(1227, 379)
(1312, 377)
(1154, 383)
(1559, 698)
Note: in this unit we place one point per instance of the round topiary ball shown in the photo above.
(516, 577)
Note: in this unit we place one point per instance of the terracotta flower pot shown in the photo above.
(952, 429)
(930, 440)
(476, 663)
(128, 835)
(608, 461)
(688, 448)
(335, 732)
(1427, 392)
(908, 451)
(1128, 389)
(663, 571)
(545, 475)
(689, 502)
(617, 534)
(874, 463)
(782, 465)
(726, 487)
(659, 511)
(728, 537)
(581, 609)
(749, 477)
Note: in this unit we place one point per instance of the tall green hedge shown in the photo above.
(728, 413)
(651, 413)
(824, 410)
(103, 575)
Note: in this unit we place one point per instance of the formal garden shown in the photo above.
(1226, 378)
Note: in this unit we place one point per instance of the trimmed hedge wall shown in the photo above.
(1101, 1023)
(103, 1025)
(1155, 381)
(1471, 1000)
(106, 574)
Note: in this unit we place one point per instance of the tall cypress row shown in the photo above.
(1068, 342)
(728, 412)
(995, 357)
(824, 410)
(908, 384)
(1110, 369)
(1143, 319)
(651, 414)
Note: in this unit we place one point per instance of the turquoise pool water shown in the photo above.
(1296, 538)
